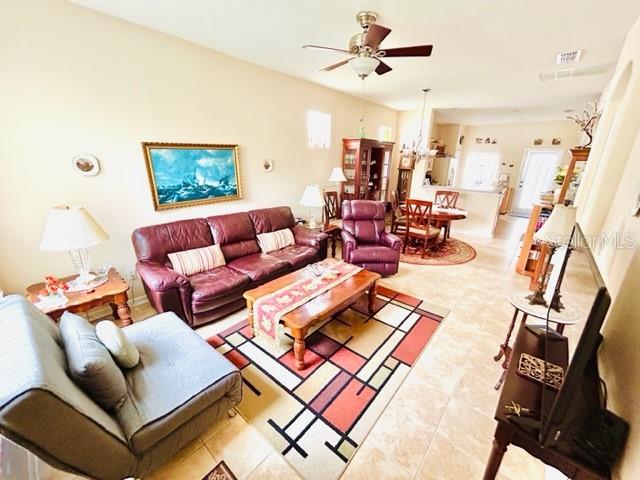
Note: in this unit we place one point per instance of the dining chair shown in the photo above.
(331, 206)
(445, 199)
(419, 224)
(398, 218)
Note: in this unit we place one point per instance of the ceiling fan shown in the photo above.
(366, 51)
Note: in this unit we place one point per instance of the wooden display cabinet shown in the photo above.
(366, 164)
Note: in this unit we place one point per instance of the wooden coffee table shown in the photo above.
(113, 292)
(319, 308)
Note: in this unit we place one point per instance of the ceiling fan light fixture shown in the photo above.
(364, 66)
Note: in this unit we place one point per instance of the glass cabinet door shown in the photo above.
(349, 166)
(364, 173)
(384, 182)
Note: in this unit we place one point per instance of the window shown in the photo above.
(384, 133)
(319, 129)
(480, 169)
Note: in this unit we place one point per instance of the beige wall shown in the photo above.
(447, 134)
(605, 203)
(408, 130)
(74, 80)
(512, 140)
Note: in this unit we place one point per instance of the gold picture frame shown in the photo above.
(189, 174)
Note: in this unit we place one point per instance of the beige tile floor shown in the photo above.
(439, 425)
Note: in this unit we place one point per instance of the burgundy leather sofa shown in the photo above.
(210, 295)
(365, 242)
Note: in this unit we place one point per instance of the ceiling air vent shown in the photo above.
(575, 72)
(564, 58)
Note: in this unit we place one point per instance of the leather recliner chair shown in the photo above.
(365, 242)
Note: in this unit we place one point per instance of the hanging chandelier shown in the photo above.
(418, 152)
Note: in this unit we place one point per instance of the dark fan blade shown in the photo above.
(318, 47)
(335, 65)
(383, 68)
(415, 51)
(375, 35)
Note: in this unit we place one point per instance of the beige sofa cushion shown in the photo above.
(123, 351)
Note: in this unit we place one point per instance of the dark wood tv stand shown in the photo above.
(528, 394)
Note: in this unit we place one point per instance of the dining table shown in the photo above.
(442, 215)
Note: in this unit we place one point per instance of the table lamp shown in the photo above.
(72, 229)
(337, 175)
(312, 198)
(556, 232)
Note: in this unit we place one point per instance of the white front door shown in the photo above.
(538, 169)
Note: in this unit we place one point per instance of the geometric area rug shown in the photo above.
(317, 417)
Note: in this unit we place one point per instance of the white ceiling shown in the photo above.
(486, 58)
(478, 116)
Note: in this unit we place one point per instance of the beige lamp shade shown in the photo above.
(558, 227)
(70, 228)
(312, 197)
(337, 175)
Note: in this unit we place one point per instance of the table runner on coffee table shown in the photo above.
(269, 309)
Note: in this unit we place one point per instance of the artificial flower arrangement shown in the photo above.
(53, 286)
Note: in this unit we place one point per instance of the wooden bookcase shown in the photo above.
(366, 164)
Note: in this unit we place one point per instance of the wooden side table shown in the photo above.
(334, 232)
(113, 292)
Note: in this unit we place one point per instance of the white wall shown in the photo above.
(605, 204)
(73, 80)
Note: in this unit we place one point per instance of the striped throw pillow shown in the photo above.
(197, 260)
(275, 240)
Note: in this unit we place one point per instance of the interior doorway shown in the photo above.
(536, 176)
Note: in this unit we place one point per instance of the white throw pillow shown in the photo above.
(120, 347)
(197, 260)
(276, 240)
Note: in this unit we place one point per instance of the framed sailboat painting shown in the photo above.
(187, 174)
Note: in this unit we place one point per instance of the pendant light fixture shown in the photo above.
(418, 152)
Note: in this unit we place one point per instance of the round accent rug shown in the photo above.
(452, 252)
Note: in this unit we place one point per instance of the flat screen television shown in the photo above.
(580, 395)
